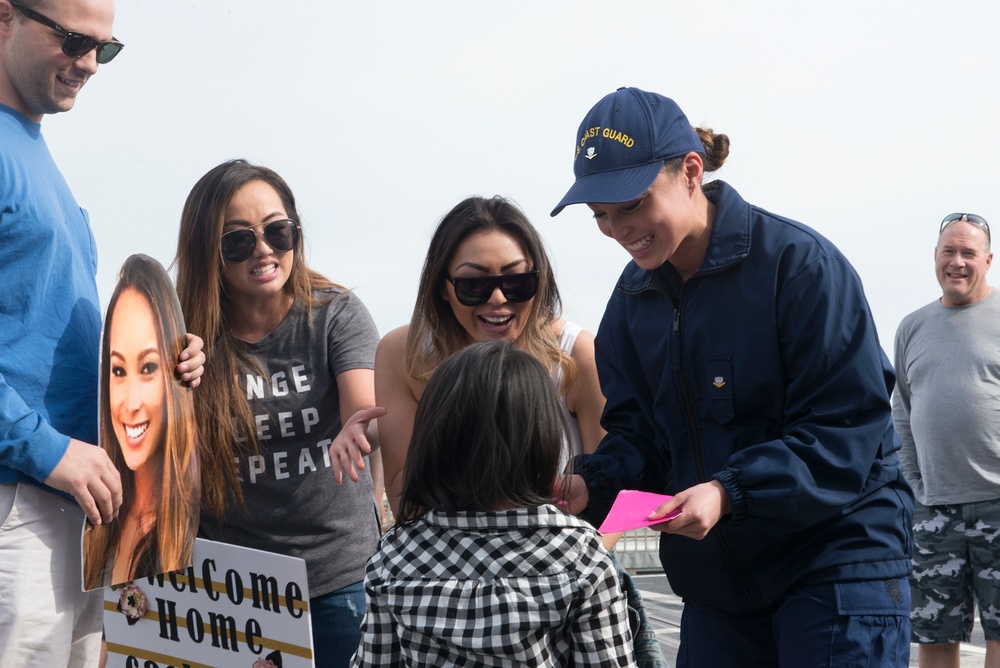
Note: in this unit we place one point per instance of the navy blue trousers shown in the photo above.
(840, 625)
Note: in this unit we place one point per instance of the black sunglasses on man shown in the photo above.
(75, 44)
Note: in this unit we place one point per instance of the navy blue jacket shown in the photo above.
(763, 371)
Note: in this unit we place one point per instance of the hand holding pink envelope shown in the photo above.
(631, 510)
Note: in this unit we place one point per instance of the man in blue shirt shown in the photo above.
(50, 328)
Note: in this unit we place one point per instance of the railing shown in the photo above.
(639, 550)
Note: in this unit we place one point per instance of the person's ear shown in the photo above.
(693, 169)
(6, 17)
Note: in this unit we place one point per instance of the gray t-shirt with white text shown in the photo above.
(294, 505)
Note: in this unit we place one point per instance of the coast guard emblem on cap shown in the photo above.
(719, 381)
(636, 132)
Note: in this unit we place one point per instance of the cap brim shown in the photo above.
(621, 185)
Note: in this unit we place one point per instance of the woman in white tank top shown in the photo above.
(486, 276)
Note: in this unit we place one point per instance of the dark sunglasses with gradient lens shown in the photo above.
(280, 235)
(478, 290)
(978, 221)
(75, 44)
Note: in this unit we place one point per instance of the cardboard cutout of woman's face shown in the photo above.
(148, 429)
(136, 385)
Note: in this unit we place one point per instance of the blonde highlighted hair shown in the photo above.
(435, 334)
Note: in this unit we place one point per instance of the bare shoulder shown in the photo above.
(584, 397)
(583, 348)
(392, 347)
(391, 372)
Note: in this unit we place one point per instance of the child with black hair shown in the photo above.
(482, 567)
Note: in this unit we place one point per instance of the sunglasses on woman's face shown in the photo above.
(280, 235)
(75, 44)
(478, 290)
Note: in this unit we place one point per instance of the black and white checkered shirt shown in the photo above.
(524, 587)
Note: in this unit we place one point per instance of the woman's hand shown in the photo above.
(701, 506)
(351, 445)
(571, 493)
(191, 363)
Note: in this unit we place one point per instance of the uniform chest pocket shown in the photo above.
(720, 388)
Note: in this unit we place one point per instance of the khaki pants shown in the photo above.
(46, 619)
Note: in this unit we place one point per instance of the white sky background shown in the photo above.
(868, 121)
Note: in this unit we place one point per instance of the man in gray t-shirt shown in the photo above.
(946, 409)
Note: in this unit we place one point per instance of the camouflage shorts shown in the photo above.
(956, 563)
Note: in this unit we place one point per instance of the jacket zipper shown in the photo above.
(675, 358)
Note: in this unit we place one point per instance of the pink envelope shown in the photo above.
(632, 507)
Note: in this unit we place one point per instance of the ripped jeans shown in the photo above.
(336, 625)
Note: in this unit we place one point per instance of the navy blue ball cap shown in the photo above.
(622, 143)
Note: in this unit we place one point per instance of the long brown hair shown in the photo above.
(435, 334)
(176, 516)
(208, 309)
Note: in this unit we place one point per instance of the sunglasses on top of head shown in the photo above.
(75, 44)
(478, 290)
(978, 221)
(280, 235)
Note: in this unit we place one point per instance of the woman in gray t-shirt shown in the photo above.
(301, 350)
